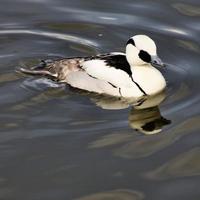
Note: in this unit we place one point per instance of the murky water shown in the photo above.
(58, 144)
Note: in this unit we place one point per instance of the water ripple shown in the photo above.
(48, 128)
(59, 36)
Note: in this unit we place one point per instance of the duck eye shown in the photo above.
(145, 56)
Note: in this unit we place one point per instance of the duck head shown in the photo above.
(141, 50)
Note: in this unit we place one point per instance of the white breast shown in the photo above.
(149, 79)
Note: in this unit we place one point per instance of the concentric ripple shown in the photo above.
(60, 143)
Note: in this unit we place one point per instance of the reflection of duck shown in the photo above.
(144, 116)
(148, 120)
(116, 74)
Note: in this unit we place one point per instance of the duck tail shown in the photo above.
(34, 71)
(40, 70)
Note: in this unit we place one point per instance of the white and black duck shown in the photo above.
(129, 75)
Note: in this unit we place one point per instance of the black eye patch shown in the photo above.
(145, 56)
(130, 41)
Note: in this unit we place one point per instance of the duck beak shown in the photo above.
(157, 62)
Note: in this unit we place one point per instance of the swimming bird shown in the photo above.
(130, 75)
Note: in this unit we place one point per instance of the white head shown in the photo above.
(141, 50)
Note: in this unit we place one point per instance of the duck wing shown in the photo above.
(112, 68)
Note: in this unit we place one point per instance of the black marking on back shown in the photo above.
(118, 62)
(145, 56)
(131, 41)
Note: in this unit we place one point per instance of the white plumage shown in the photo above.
(130, 75)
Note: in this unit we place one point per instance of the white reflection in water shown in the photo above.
(177, 31)
(144, 116)
(55, 35)
(41, 83)
(108, 18)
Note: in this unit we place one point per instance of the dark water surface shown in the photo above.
(58, 144)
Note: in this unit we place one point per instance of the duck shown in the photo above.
(132, 74)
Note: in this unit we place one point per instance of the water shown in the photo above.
(56, 143)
